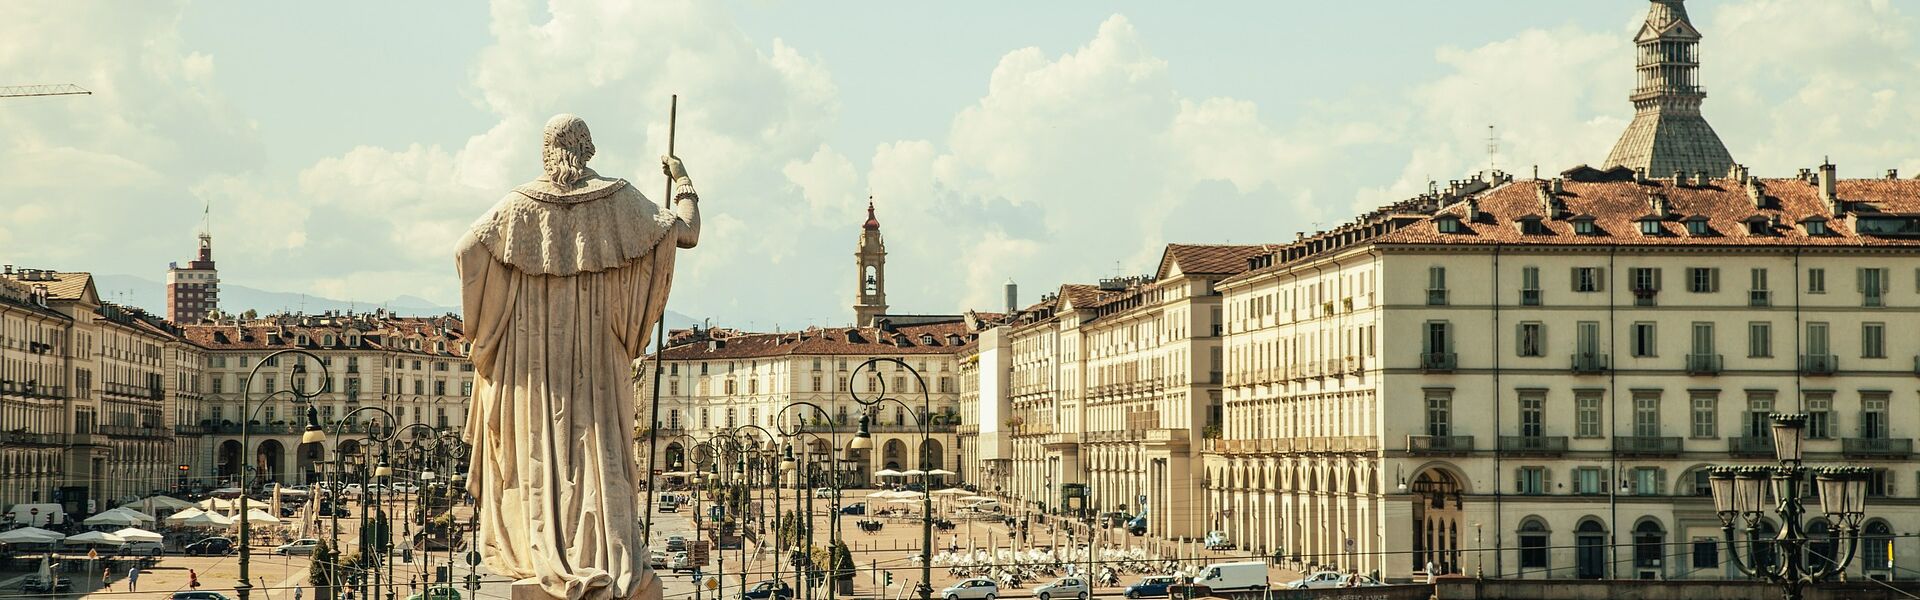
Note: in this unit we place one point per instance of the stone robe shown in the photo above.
(561, 289)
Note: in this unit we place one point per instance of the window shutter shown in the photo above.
(1660, 481)
(1860, 279)
(1656, 279)
(1573, 278)
(1886, 280)
(1519, 480)
(1607, 484)
(1599, 280)
(1713, 279)
(1546, 480)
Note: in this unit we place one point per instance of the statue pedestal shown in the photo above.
(529, 589)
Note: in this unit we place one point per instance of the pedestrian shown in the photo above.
(193, 579)
(133, 578)
(296, 592)
(1429, 572)
(106, 577)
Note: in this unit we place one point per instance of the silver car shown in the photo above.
(1064, 587)
(972, 589)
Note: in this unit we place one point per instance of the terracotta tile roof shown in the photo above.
(1208, 259)
(60, 286)
(1617, 209)
(932, 338)
(389, 334)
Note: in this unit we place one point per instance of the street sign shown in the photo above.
(713, 583)
(697, 552)
(473, 558)
(93, 554)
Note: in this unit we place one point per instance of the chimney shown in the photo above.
(1640, 175)
(1679, 178)
(1700, 177)
(1658, 203)
(1559, 186)
(1013, 297)
(1737, 172)
(1756, 192)
(1893, 173)
(1806, 175)
(1473, 211)
(1829, 193)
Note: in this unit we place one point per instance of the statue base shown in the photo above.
(529, 589)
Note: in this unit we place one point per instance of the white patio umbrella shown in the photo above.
(112, 518)
(135, 534)
(976, 499)
(206, 519)
(952, 492)
(904, 501)
(887, 473)
(183, 515)
(942, 472)
(168, 503)
(136, 514)
(881, 494)
(29, 535)
(96, 537)
(914, 473)
(260, 517)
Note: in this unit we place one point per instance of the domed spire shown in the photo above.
(1668, 133)
(872, 223)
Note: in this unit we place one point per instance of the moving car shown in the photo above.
(668, 506)
(299, 546)
(1064, 587)
(1153, 586)
(1137, 526)
(854, 509)
(972, 589)
(143, 548)
(824, 492)
(403, 487)
(1333, 579)
(213, 546)
(658, 560)
(768, 590)
(198, 595)
(676, 543)
(680, 561)
(1217, 540)
(1234, 576)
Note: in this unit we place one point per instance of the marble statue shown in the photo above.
(561, 284)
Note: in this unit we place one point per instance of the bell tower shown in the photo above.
(870, 297)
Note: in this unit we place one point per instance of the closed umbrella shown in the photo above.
(218, 504)
(29, 535)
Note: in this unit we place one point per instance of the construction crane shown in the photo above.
(28, 91)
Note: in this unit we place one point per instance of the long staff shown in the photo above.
(660, 340)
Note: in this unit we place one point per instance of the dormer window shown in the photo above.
(1531, 225)
(1583, 225)
(1816, 226)
(1650, 225)
(1758, 225)
(1697, 225)
(1449, 224)
(328, 341)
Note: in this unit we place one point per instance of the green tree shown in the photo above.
(321, 571)
(842, 566)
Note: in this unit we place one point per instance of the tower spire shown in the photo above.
(872, 223)
(1668, 133)
(870, 260)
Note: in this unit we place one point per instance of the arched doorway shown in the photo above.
(310, 458)
(1437, 518)
(1590, 549)
(268, 460)
(676, 457)
(1649, 549)
(894, 455)
(932, 455)
(229, 460)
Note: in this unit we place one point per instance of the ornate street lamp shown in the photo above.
(1739, 499)
(244, 588)
(864, 440)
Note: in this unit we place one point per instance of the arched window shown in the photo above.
(1822, 542)
(1649, 544)
(1534, 542)
(1878, 547)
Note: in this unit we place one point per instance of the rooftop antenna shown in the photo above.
(1493, 150)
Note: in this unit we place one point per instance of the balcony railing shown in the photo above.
(1439, 444)
(1876, 447)
(1646, 445)
(1589, 362)
(130, 431)
(1438, 361)
(1750, 446)
(1819, 364)
(1534, 444)
(1529, 297)
(1703, 364)
(24, 438)
(1759, 298)
(1436, 297)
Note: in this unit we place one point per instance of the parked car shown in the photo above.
(402, 487)
(143, 548)
(299, 546)
(676, 543)
(1234, 576)
(36, 584)
(768, 590)
(658, 560)
(972, 589)
(437, 593)
(680, 561)
(1217, 540)
(1153, 586)
(854, 509)
(667, 506)
(1064, 587)
(1137, 526)
(1320, 580)
(1113, 519)
(328, 508)
(213, 546)
(198, 595)
(227, 493)
(824, 492)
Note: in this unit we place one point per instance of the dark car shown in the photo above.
(676, 544)
(1151, 587)
(198, 595)
(854, 509)
(330, 509)
(1137, 526)
(213, 546)
(1113, 519)
(768, 590)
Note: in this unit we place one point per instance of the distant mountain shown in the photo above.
(234, 299)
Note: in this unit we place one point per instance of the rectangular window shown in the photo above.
(1873, 340)
(1705, 422)
(1703, 280)
(1706, 554)
(1586, 279)
(1530, 481)
(1646, 284)
(1533, 550)
(1587, 338)
(1646, 481)
(1436, 285)
(1587, 414)
(1873, 415)
(1759, 414)
(1533, 414)
(1533, 339)
(1646, 414)
(1589, 481)
(1873, 286)
(816, 383)
(1819, 415)
(1759, 339)
(1757, 293)
(1817, 339)
(1880, 484)
(1644, 342)
(1816, 281)
(1530, 286)
(219, 384)
(1703, 338)
(1439, 413)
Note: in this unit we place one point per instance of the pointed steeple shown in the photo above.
(872, 223)
(1668, 133)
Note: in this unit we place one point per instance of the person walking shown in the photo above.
(133, 578)
(193, 579)
(296, 592)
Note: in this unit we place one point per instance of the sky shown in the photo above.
(341, 149)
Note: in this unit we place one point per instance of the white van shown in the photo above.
(1233, 577)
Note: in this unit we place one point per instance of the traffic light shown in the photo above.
(183, 468)
(889, 578)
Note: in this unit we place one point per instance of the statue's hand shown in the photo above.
(670, 165)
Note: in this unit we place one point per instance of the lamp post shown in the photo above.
(370, 473)
(767, 461)
(864, 440)
(312, 435)
(1739, 494)
(791, 430)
